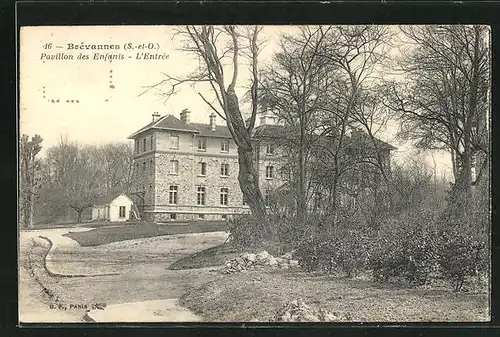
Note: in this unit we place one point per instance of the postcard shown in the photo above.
(336, 173)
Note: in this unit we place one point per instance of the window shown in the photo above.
(203, 169)
(144, 167)
(151, 145)
(224, 196)
(137, 168)
(202, 144)
(224, 216)
(267, 198)
(174, 167)
(144, 145)
(122, 211)
(270, 148)
(151, 167)
(269, 172)
(201, 216)
(174, 142)
(136, 146)
(172, 195)
(200, 195)
(173, 216)
(224, 170)
(224, 146)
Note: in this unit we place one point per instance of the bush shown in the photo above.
(347, 252)
(293, 233)
(462, 255)
(246, 231)
(405, 250)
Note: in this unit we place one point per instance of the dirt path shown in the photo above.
(140, 266)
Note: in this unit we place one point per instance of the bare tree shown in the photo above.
(214, 46)
(76, 175)
(28, 176)
(291, 89)
(443, 100)
(117, 164)
(354, 52)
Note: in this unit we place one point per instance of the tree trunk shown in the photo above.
(31, 211)
(301, 202)
(248, 175)
(79, 215)
(249, 183)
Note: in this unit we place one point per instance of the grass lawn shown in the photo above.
(211, 257)
(258, 295)
(120, 232)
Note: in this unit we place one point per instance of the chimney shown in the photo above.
(212, 121)
(156, 116)
(185, 116)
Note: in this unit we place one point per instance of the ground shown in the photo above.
(261, 294)
(139, 269)
(142, 264)
(107, 234)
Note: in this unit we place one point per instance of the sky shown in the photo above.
(97, 101)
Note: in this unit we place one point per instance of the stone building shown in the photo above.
(186, 170)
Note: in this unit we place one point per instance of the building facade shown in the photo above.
(188, 171)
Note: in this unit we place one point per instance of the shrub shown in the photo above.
(245, 231)
(293, 233)
(352, 254)
(405, 249)
(346, 251)
(462, 255)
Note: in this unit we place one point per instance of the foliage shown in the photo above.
(74, 176)
(29, 176)
(246, 231)
(462, 255)
(406, 250)
(346, 251)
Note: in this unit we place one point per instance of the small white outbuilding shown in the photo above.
(114, 207)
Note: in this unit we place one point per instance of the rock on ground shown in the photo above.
(259, 260)
(299, 311)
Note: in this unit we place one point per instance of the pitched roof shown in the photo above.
(221, 131)
(167, 122)
(279, 131)
(170, 122)
(109, 198)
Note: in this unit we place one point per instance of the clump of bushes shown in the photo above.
(404, 255)
(411, 247)
(246, 231)
(344, 251)
(462, 255)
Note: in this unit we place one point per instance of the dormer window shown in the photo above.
(202, 144)
(270, 149)
(174, 142)
(224, 146)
